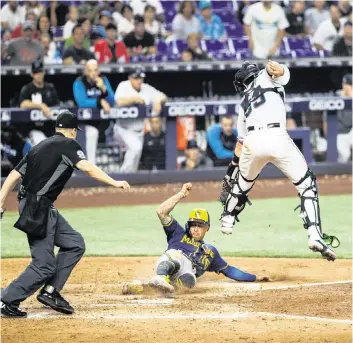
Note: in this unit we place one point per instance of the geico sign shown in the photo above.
(121, 113)
(330, 105)
(37, 115)
(186, 110)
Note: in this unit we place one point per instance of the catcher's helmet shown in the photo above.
(198, 215)
(245, 76)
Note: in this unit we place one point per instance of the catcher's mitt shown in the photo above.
(227, 186)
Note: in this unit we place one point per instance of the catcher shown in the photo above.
(188, 256)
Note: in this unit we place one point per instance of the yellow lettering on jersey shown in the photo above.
(205, 262)
(209, 252)
(191, 241)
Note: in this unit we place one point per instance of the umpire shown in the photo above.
(45, 171)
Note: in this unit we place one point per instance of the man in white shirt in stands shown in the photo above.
(130, 131)
(12, 15)
(328, 31)
(264, 24)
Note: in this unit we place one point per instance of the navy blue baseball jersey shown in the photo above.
(204, 256)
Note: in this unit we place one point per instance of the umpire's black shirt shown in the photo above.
(49, 165)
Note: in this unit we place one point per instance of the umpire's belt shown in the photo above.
(269, 126)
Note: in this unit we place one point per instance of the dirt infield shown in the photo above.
(318, 307)
(309, 300)
(203, 191)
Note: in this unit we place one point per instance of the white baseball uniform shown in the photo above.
(130, 131)
(262, 129)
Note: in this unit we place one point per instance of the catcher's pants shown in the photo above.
(92, 135)
(274, 145)
(186, 266)
(133, 140)
(46, 268)
(344, 146)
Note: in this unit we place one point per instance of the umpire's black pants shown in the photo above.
(46, 268)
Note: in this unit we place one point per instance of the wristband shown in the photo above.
(235, 159)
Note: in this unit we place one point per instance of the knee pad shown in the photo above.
(187, 280)
(168, 267)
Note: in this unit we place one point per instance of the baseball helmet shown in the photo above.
(198, 215)
(245, 76)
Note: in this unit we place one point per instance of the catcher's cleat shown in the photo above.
(56, 301)
(162, 283)
(321, 247)
(227, 222)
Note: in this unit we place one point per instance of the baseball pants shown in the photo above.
(46, 268)
(273, 145)
(133, 140)
(186, 266)
(344, 146)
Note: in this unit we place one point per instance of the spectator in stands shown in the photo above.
(77, 54)
(139, 41)
(35, 7)
(25, 50)
(91, 90)
(153, 152)
(343, 46)
(6, 38)
(139, 7)
(92, 9)
(242, 8)
(86, 28)
(315, 15)
(221, 141)
(211, 24)
(95, 37)
(130, 131)
(40, 95)
(117, 16)
(44, 26)
(296, 19)
(72, 21)
(329, 30)
(265, 23)
(51, 54)
(57, 13)
(345, 7)
(194, 159)
(111, 50)
(12, 15)
(105, 18)
(153, 26)
(193, 51)
(185, 22)
(345, 134)
(126, 24)
(18, 32)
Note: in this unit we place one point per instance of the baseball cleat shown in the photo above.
(55, 301)
(12, 311)
(227, 223)
(321, 247)
(162, 283)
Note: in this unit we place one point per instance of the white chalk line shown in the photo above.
(306, 285)
(173, 316)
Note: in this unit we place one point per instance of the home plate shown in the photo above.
(152, 301)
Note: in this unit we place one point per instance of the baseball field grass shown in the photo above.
(268, 228)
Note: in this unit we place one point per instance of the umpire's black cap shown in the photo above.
(138, 73)
(67, 120)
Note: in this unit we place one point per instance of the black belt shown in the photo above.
(269, 126)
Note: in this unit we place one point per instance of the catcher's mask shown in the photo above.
(198, 216)
(243, 77)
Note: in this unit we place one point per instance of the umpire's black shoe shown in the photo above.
(55, 301)
(12, 311)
